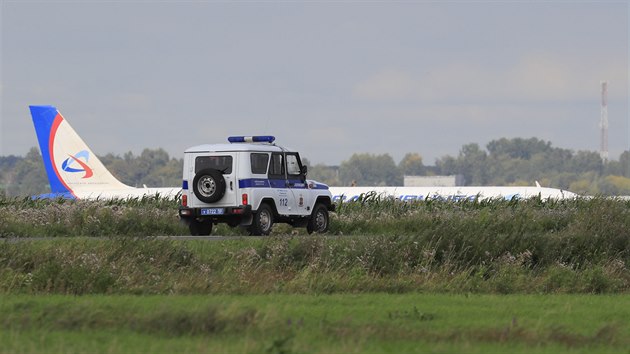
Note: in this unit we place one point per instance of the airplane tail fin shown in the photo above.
(71, 166)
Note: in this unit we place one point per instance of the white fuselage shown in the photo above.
(450, 193)
(127, 193)
(348, 194)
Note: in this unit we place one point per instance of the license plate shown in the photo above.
(212, 211)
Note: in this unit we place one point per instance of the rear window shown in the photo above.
(221, 163)
(259, 163)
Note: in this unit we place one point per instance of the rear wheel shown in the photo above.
(200, 228)
(319, 220)
(263, 221)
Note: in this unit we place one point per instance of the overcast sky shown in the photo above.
(326, 78)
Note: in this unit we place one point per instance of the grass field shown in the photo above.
(302, 265)
(474, 277)
(349, 323)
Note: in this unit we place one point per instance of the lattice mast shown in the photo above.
(603, 123)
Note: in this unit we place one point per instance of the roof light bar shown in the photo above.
(252, 139)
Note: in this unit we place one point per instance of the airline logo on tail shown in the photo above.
(73, 170)
(69, 164)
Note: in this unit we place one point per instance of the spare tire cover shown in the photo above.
(209, 185)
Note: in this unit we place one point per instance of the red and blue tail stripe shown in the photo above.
(47, 120)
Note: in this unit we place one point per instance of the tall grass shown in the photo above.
(295, 264)
(376, 244)
(24, 217)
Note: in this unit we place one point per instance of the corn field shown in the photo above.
(534, 246)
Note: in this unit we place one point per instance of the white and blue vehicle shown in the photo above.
(253, 183)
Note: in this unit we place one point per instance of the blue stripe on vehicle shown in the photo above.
(185, 185)
(253, 183)
(277, 183)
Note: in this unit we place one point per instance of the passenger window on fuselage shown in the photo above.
(221, 163)
(259, 162)
(276, 167)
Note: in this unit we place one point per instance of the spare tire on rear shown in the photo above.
(209, 185)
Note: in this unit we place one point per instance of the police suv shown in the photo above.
(253, 183)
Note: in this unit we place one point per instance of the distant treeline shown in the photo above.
(504, 161)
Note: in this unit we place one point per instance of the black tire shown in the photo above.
(209, 185)
(263, 221)
(200, 228)
(319, 220)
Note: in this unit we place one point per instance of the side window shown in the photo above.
(293, 165)
(221, 163)
(259, 162)
(276, 167)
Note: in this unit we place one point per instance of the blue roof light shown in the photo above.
(252, 139)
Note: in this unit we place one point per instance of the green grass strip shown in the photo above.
(316, 323)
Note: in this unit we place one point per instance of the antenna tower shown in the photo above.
(603, 123)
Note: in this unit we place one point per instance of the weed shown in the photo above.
(387, 245)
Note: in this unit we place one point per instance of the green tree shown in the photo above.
(471, 163)
(325, 174)
(153, 168)
(370, 170)
(322, 173)
(121, 167)
(411, 165)
(584, 161)
(165, 174)
(7, 166)
(518, 148)
(614, 185)
(619, 167)
(29, 176)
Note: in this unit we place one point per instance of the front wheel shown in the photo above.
(263, 221)
(319, 220)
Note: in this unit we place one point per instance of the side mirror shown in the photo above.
(304, 170)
